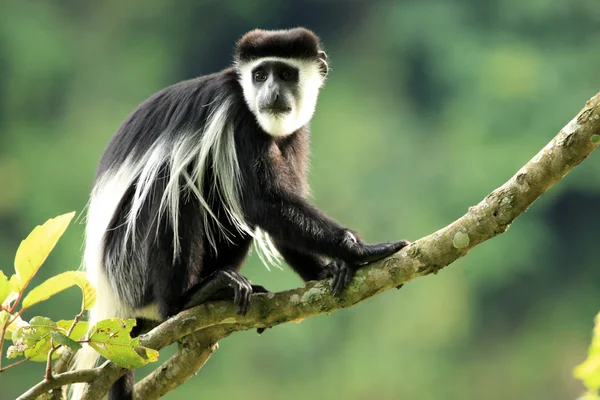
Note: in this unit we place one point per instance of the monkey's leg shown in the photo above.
(219, 282)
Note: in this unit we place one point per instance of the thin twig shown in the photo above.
(14, 365)
(48, 375)
(83, 375)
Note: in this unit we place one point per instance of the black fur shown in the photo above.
(292, 43)
(274, 189)
(122, 389)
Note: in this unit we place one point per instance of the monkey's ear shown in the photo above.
(323, 67)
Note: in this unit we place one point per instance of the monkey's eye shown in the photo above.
(288, 74)
(260, 76)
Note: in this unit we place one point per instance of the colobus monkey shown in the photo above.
(202, 169)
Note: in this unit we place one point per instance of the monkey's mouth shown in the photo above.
(276, 110)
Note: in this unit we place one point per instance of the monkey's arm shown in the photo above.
(309, 266)
(312, 267)
(294, 221)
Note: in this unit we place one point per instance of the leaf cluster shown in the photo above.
(42, 339)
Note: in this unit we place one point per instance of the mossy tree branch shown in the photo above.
(204, 325)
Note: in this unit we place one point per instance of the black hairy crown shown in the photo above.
(298, 43)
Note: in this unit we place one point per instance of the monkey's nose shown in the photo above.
(274, 98)
(278, 104)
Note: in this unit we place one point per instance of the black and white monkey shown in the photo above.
(200, 171)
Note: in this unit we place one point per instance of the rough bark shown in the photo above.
(194, 351)
(204, 325)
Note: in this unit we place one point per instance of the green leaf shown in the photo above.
(111, 338)
(5, 287)
(14, 283)
(61, 338)
(589, 370)
(4, 317)
(57, 284)
(78, 332)
(33, 340)
(34, 250)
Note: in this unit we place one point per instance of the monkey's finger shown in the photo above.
(240, 310)
(336, 287)
(340, 279)
(349, 275)
(375, 252)
(237, 297)
(248, 298)
(242, 307)
(334, 284)
(245, 281)
(335, 272)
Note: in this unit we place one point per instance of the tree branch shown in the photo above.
(98, 387)
(194, 351)
(491, 217)
(67, 378)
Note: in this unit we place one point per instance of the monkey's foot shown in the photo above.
(222, 285)
(342, 273)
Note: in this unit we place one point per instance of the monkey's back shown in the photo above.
(129, 252)
(181, 107)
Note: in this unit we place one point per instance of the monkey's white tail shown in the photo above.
(101, 208)
(84, 359)
(106, 307)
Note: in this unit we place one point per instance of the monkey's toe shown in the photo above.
(242, 290)
(222, 285)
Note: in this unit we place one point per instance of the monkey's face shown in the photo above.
(282, 93)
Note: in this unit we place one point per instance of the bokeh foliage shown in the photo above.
(429, 105)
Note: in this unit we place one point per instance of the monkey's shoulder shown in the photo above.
(178, 108)
(205, 92)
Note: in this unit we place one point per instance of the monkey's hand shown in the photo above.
(342, 271)
(362, 253)
(223, 285)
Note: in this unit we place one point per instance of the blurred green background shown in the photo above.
(429, 106)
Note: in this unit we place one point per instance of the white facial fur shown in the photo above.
(310, 81)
